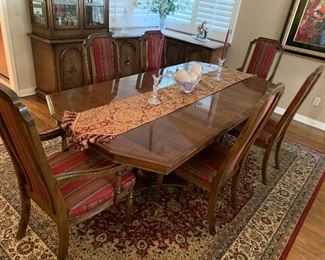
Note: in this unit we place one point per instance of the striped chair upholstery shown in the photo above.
(83, 195)
(102, 52)
(203, 166)
(219, 162)
(262, 57)
(154, 44)
(265, 134)
(69, 186)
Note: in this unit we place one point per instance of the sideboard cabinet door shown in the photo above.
(174, 52)
(197, 53)
(129, 56)
(70, 66)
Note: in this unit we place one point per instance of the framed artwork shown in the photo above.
(304, 32)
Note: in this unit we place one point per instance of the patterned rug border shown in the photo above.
(302, 219)
(217, 250)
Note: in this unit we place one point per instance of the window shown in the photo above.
(220, 15)
(136, 16)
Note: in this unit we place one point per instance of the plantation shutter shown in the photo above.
(219, 14)
(136, 16)
(184, 13)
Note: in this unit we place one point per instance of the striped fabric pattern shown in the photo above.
(205, 165)
(154, 50)
(84, 195)
(262, 58)
(265, 134)
(103, 59)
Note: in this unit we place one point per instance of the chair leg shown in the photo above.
(211, 214)
(63, 230)
(64, 144)
(277, 152)
(264, 164)
(129, 208)
(234, 183)
(25, 213)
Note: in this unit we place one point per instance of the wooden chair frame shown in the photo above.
(252, 43)
(222, 175)
(89, 60)
(143, 49)
(283, 124)
(13, 114)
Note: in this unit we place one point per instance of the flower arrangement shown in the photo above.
(161, 7)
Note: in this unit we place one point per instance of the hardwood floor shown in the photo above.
(310, 242)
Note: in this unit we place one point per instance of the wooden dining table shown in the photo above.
(165, 143)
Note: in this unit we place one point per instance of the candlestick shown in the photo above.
(220, 65)
(154, 99)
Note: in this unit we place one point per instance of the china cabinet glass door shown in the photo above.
(94, 13)
(39, 11)
(66, 13)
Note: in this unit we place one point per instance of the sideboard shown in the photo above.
(59, 62)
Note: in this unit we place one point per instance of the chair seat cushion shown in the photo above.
(84, 195)
(264, 135)
(267, 132)
(205, 165)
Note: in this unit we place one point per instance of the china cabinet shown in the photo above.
(57, 19)
(58, 30)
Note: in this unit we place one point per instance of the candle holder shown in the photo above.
(154, 101)
(219, 70)
(125, 21)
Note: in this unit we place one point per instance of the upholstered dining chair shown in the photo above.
(101, 56)
(215, 165)
(69, 186)
(262, 57)
(273, 133)
(153, 50)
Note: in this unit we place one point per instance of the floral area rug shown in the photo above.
(172, 223)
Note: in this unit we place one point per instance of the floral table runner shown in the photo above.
(102, 124)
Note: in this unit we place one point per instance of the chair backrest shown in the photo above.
(257, 120)
(153, 46)
(297, 101)
(19, 134)
(262, 58)
(100, 57)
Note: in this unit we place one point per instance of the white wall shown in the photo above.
(16, 19)
(267, 18)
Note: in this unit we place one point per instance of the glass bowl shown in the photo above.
(188, 87)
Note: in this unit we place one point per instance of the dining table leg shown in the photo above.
(159, 180)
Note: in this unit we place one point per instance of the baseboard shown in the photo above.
(26, 92)
(303, 119)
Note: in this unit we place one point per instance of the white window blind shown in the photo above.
(136, 16)
(220, 15)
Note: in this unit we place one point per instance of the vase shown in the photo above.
(125, 21)
(162, 22)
